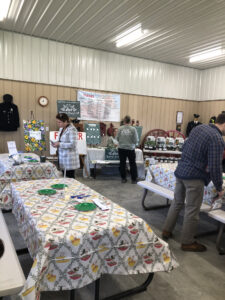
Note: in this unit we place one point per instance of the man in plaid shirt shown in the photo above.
(201, 162)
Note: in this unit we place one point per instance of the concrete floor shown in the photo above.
(200, 276)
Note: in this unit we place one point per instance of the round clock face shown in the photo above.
(43, 101)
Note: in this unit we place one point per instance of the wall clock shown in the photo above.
(43, 101)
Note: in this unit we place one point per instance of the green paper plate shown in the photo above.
(59, 186)
(29, 157)
(33, 160)
(47, 192)
(86, 206)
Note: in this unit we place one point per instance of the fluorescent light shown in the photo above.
(130, 36)
(4, 7)
(206, 55)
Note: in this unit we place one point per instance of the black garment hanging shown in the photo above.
(9, 115)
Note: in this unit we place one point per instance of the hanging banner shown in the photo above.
(71, 108)
(99, 107)
(34, 135)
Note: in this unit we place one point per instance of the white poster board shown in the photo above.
(12, 147)
(54, 137)
(81, 142)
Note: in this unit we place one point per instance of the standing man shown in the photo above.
(128, 138)
(192, 124)
(201, 162)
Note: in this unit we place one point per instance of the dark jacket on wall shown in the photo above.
(9, 117)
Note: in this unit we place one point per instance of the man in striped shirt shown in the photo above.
(201, 162)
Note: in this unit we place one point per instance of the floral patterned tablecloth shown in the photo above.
(163, 174)
(72, 248)
(25, 171)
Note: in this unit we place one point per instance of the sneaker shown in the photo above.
(166, 235)
(194, 247)
(123, 180)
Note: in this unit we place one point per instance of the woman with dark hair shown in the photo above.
(67, 146)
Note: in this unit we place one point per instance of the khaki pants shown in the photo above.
(192, 190)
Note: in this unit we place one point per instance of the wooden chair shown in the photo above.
(174, 134)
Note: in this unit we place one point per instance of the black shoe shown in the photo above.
(123, 180)
(134, 181)
(166, 235)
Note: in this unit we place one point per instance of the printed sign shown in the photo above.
(111, 154)
(71, 108)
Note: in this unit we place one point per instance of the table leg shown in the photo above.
(95, 171)
(155, 206)
(138, 289)
(97, 288)
(218, 239)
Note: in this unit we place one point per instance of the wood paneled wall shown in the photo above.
(152, 112)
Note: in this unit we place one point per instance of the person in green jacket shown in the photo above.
(128, 138)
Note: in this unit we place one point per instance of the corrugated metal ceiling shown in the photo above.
(178, 28)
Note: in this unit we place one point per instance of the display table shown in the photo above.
(162, 152)
(163, 174)
(26, 171)
(71, 248)
(96, 156)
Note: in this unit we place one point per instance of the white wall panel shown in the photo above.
(2, 73)
(8, 46)
(212, 84)
(52, 71)
(42, 61)
(35, 60)
(26, 58)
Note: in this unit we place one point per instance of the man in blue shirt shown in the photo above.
(201, 162)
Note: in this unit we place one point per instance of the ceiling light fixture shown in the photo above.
(206, 55)
(131, 36)
(4, 8)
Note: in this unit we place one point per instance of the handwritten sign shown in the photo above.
(81, 142)
(111, 154)
(71, 108)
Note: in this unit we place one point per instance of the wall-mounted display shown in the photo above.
(179, 119)
(93, 134)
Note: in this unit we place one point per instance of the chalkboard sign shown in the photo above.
(139, 132)
(93, 134)
(71, 108)
(111, 154)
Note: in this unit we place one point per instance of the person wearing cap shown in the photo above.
(193, 124)
(201, 162)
